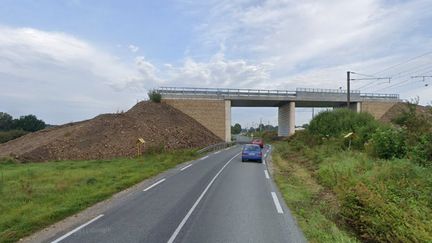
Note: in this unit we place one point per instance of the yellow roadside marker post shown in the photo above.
(349, 136)
(139, 142)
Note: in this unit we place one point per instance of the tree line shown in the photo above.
(11, 128)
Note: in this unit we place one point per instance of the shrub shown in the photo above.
(421, 153)
(10, 135)
(342, 121)
(388, 143)
(155, 96)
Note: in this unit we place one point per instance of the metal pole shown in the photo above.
(348, 89)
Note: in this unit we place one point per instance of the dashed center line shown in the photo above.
(76, 229)
(203, 158)
(155, 184)
(276, 202)
(187, 166)
(266, 174)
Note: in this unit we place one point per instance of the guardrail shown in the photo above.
(376, 95)
(216, 146)
(315, 90)
(224, 92)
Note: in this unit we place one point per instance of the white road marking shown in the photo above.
(217, 152)
(203, 158)
(264, 163)
(227, 148)
(76, 229)
(155, 184)
(276, 202)
(183, 222)
(187, 166)
(266, 174)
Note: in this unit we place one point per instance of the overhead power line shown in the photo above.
(401, 63)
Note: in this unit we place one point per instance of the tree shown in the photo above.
(6, 121)
(236, 129)
(29, 123)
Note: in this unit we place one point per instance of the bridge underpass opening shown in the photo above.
(269, 117)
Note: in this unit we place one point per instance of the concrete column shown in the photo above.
(286, 119)
(355, 106)
(228, 120)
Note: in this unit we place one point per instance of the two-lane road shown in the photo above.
(216, 198)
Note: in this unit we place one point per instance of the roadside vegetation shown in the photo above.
(154, 96)
(372, 186)
(36, 195)
(11, 128)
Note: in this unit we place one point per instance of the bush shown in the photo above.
(422, 152)
(10, 135)
(339, 122)
(155, 96)
(388, 143)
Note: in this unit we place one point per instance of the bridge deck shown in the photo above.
(304, 97)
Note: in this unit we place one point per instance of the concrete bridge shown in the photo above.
(212, 106)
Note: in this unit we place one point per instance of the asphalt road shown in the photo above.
(214, 199)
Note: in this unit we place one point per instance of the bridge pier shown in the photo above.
(286, 119)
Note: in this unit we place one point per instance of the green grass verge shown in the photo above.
(314, 207)
(345, 196)
(35, 195)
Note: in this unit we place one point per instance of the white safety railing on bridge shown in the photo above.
(379, 96)
(224, 92)
(316, 90)
(187, 91)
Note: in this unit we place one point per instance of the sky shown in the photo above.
(71, 60)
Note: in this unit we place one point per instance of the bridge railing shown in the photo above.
(224, 92)
(221, 92)
(316, 90)
(379, 96)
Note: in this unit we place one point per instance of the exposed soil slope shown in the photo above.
(398, 108)
(112, 135)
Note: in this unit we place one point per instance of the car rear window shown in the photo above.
(251, 148)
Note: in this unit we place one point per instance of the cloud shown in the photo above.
(218, 72)
(51, 69)
(133, 48)
(312, 40)
(62, 78)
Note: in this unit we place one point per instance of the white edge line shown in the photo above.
(154, 184)
(227, 148)
(264, 162)
(183, 222)
(187, 166)
(276, 202)
(266, 174)
(217, 152)
(76, 229)
(203, 158)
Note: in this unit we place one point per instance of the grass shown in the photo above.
(314, 207)
(35, 195)
(346, 196)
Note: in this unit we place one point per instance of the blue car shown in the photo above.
(252, 152)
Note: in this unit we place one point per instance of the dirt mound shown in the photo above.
(398, 108)
(113, 135)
